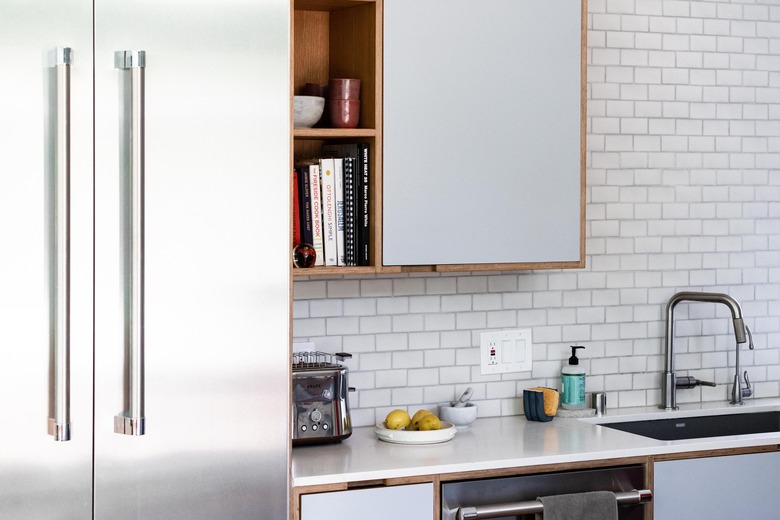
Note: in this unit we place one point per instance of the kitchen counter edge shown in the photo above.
(494, 443)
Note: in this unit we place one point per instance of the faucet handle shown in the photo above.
(690, 382)
(748, 390)
(750, 339)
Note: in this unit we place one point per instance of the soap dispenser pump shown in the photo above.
(573, 383)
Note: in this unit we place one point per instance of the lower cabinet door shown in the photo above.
(735, 486)
(410, 502)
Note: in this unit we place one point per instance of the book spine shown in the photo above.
(338, 171)
(328, 186)
(296, 214)
(364, 238)
(316, 213)
(304, 195)
(349, 211)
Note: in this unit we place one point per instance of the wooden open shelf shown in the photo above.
(342, 39)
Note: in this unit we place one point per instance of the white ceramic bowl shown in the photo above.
(461, 417)
(307, 110)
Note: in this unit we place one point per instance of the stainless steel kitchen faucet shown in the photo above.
(741, 333)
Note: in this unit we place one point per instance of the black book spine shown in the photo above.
(364, 236)
(304, 202)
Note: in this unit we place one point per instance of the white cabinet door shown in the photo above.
(482, 132)
(737, 486)
(412, 502)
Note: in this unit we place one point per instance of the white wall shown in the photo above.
(683, 191)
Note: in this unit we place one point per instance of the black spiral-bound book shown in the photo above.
(349, 211)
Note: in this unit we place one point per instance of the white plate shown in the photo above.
(446, 433)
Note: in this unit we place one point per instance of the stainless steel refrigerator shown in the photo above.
(144, 259)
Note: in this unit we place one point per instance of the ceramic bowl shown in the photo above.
(307, 110)
(461, 417)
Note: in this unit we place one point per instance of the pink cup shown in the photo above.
(344, 113)
(344, 88)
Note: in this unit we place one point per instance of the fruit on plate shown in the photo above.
(397, 420)
(418, 415)
(429, 422)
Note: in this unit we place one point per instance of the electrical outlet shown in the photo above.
(505, 351)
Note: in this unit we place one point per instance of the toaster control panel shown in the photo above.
(314, 419)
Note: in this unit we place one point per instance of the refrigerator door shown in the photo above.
(192, 293)
(46, 260)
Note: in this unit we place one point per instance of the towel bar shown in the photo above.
(534, 506)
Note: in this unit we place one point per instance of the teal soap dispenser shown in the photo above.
(573, 383)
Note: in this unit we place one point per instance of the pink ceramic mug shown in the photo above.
(344, 113)
(344, 88)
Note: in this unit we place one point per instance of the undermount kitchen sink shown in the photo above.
(698, 427)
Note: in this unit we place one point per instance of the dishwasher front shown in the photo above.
(487, 497)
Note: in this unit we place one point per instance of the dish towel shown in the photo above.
(594, 505)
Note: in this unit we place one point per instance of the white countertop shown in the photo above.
(502, 442)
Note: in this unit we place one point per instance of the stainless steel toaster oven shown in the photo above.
(320, 408)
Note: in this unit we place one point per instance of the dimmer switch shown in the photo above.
(505, 351)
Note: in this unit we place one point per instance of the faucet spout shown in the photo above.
(670, 380)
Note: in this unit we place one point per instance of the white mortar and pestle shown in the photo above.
(461, 413)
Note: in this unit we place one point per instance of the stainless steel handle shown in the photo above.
(535, 506)
(133, 420)
(691, 382)
(59, 425)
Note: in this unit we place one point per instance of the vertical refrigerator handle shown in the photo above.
(59, 425)
(132, 421)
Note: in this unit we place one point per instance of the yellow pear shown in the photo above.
(429, 422)
(419, 414)
(397, 420)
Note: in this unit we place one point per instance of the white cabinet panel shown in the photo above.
(738, 486)
(482, 131)
(412, 502)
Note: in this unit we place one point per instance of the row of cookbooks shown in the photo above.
(331, 204)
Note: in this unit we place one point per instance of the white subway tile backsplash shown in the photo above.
(343, 288)
(440, 322)
(683, 193)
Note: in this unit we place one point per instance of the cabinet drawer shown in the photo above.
(410, 502)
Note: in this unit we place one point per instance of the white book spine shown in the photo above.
(316, 213)
(328, 183)
(340, 243)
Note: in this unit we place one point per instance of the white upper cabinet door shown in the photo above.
(483, 132)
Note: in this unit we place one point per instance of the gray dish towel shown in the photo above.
(593, 505)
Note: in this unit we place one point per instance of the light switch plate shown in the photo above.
(505, 351)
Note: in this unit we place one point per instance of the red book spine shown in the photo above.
(296, 224)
